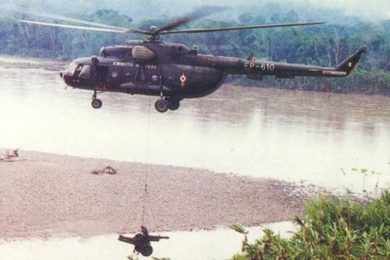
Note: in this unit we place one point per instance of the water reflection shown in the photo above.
(216, 244)
(290, 135)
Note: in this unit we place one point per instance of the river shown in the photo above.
(305, 137)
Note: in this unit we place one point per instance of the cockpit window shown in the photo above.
(103, 52)
(85, 72)
(72, 67)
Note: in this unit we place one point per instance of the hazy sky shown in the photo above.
(358, 4)
(371, 6)
(368, 9)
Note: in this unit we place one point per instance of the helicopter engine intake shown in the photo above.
(142, 53)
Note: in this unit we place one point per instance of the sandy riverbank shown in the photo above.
(45, 195)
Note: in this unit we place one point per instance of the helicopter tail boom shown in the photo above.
(257, 69)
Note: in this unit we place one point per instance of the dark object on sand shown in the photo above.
(141, 241)
(10, 155)
(107, 170)
(171, 71)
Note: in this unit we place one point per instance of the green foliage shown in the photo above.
(332, 228)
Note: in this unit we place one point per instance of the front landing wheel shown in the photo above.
(96, 103)
(162, 105)
(174, 104)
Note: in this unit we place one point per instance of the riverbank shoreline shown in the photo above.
(45, 195)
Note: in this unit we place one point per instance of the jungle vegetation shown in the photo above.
(331, 228)
(324, 45)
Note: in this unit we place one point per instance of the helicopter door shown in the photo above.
(140, 75)
(102, 73)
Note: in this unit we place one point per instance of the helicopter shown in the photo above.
(173, 71)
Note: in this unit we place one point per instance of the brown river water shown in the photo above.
(305, 137)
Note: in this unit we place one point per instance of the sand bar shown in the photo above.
(45, 195)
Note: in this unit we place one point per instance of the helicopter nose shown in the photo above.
(68, 79)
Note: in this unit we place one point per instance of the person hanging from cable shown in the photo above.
(142, 241)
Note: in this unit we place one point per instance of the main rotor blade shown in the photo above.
(250, 27)
(84, 28)
(200, 13)
(69, 19)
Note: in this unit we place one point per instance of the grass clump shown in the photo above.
(332, 228)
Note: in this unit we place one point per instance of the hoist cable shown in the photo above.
(145, 191)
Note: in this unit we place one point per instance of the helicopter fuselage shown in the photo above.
(174, 71)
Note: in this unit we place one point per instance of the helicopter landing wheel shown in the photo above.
(174, 104)
(96, 103)
(162, 105)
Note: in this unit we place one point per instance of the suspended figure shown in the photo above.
(142, 241)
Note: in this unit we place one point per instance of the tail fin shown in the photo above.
(349, 64)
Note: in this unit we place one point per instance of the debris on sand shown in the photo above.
(142, 241)
(10, 156)
(105, 171)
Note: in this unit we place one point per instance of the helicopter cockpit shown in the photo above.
(84, 71)
(75, 72)
(79, 70)
(71, 69)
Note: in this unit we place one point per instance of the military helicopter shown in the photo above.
(173, 71)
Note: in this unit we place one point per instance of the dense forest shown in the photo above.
(324, 45)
